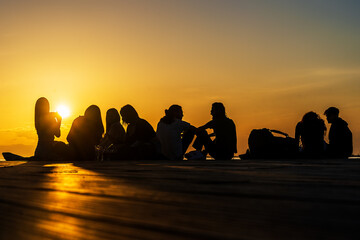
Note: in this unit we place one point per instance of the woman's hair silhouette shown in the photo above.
(93, 115)
(47, 125)
(112, 116)
(129, 114)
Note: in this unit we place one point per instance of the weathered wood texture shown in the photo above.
(180, 200)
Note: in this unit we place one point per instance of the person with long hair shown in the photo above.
(115, 132)
(309, 135)
(114, 137)
(85, 133)
(223, 146)
(140, 137)
(47, 125)
(175, 135)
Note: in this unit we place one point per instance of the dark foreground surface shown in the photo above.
(180, 200)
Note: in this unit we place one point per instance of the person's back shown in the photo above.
(174, 134)
(139, 131)
(81, 142)
(169, 135)
(85, 133)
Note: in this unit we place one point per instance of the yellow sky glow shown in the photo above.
(268, 63)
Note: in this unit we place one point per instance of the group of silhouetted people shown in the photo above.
(311, 130)
(87, 141)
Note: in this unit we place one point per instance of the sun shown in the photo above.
(63, 110)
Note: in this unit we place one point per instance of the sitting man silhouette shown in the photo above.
(223, 146)
(340, 136)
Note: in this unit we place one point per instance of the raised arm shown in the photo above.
(206, 126)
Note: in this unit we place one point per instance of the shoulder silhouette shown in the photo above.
(340, 136)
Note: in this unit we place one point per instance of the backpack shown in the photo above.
(263, 144)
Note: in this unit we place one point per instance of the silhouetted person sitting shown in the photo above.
(311, 131)
(114, 137)
(340, 136)
(223, 146)
(140, 137)
(115, 132)
(85, 133)
(174, 134)
(47, 125)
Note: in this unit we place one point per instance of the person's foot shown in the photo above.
(12, 157)
(195, 155)
(204, 153)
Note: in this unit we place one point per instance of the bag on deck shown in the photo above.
(263, 144)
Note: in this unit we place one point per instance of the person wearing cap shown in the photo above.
(340, 136)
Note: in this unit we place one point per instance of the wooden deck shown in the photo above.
(180, 200)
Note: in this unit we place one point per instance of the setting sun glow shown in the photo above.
(268, 62)
(63, 110)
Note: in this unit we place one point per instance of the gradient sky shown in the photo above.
(269, 62)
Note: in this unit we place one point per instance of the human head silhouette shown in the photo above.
(129, 114)
(174, 111)
(310, 116)
(112, 116)
(93, 115)
(42, 107)
(218, 110)
(332, 113)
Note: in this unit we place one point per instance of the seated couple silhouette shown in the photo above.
(310, 133)
(175, 135)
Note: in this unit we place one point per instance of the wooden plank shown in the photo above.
(277, 199)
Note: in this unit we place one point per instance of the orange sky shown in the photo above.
(269, 63)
